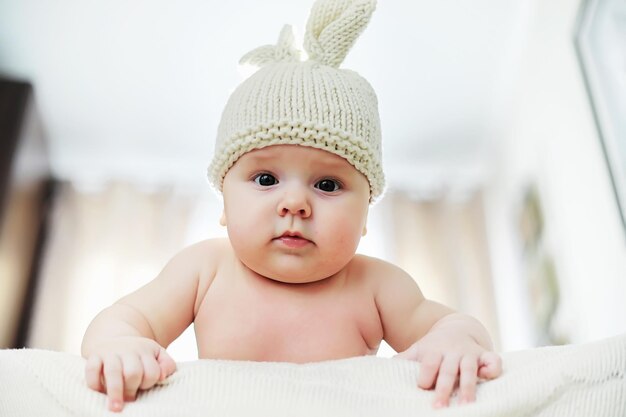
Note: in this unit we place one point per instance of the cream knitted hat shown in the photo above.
(308, 103)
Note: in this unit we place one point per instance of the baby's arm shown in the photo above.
(125, 343)
(451, 347)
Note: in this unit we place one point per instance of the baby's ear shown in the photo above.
(223, 219)
(367, 213)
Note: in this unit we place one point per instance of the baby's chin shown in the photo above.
(296, 280)
(295, 277)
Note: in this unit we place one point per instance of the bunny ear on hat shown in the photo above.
(333, 27)
(283, 51)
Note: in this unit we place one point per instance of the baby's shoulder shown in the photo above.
(206, 257)
(208, 250)
(375, 269)
(385, 279)
(201, 258)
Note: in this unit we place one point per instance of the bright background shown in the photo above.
(482, 104)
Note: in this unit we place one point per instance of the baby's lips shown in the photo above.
(293, 234)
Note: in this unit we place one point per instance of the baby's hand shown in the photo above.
(447, 359)
(120, 367)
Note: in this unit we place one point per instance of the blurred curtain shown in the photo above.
(442, 243)
(107, 242)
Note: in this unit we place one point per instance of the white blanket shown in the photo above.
(574, 380)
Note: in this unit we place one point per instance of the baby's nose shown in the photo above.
(295, 202)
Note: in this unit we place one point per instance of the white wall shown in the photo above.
(551, 140)
(135, 90)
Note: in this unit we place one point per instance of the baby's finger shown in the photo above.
(133, 375)
(446, 380)
(151, 372)
(93, 373)
(166, 363)
(490, 365)
(429, 367)
(468, 378)
(114, 381)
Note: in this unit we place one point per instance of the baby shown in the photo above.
(298, 162)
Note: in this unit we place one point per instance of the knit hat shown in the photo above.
(309, 103)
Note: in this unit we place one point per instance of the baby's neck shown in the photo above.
(321, 284)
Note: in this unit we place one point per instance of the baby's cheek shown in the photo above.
(345, 237)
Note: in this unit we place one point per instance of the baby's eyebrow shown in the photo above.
(254, 159)
(260, 156)
(333, 164)
(339, 165)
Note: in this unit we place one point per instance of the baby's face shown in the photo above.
(295, 214)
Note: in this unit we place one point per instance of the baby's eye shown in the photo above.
(328, 185)
(265, 180)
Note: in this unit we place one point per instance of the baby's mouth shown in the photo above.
(293, 240)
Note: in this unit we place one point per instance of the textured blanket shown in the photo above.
(574, 380)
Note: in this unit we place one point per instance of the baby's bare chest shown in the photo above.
(291, 323)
